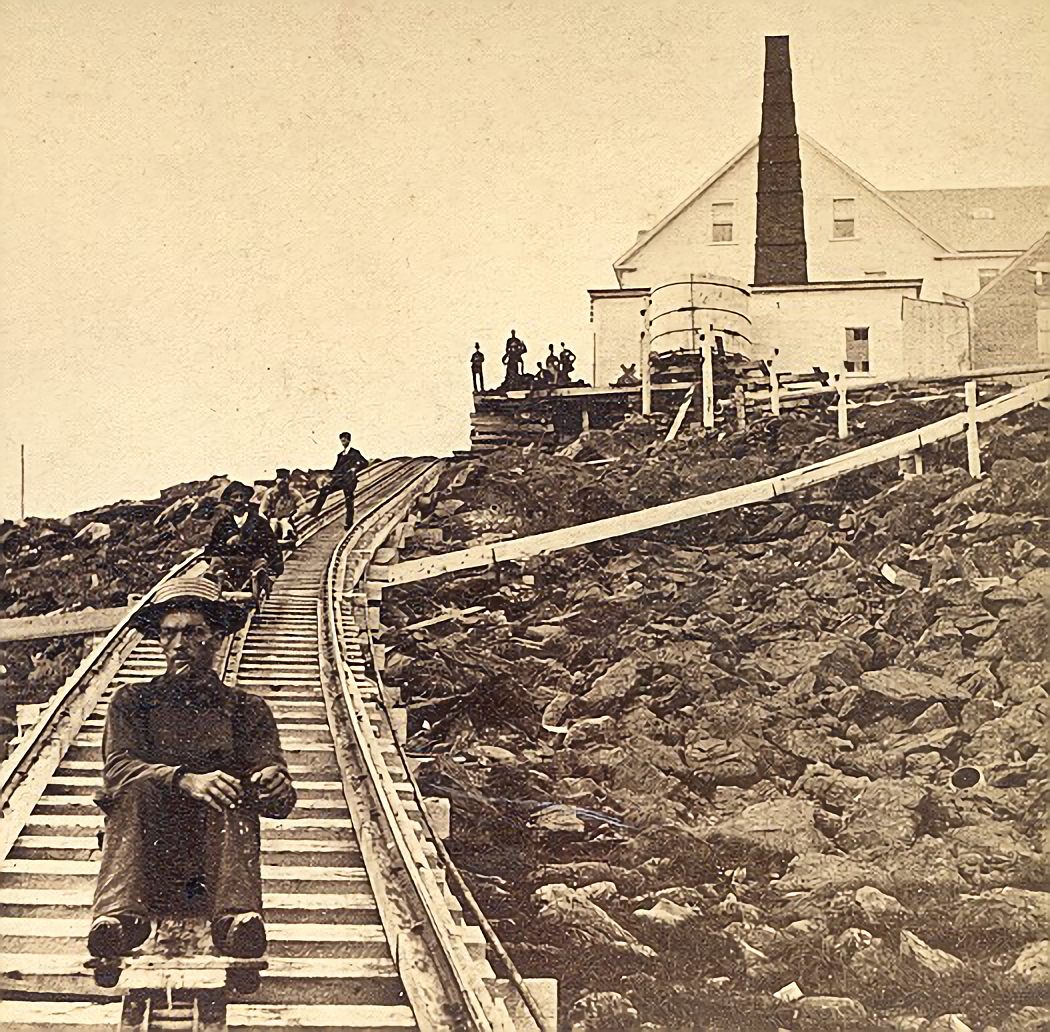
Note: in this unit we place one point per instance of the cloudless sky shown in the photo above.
(230, 229)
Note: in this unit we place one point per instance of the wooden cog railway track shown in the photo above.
(364, 932)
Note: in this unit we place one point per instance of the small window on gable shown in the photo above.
(858, 359)
(722, 222)
(985, 276)
(843, 217)
(982, 213)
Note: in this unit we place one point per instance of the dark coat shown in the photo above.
(255, 540)
(346, 468)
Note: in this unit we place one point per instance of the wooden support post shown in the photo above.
(774, 385)
(843, 417)
(973, 444)
(643, 366)
(707, 384)
(741, 406)
(918, 463)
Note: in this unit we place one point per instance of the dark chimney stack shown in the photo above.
(780, 238)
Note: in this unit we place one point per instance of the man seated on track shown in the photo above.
(188, 767)
(279, 504)
(243, 546)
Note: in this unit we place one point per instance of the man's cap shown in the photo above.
(236, 487)
(282, 472)
(196, 593)
(346, 433)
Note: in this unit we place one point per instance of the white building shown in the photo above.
(886, 269)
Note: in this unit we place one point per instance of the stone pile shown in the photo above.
(94, 559)
(780, 768)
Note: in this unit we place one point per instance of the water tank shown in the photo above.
(714, 306)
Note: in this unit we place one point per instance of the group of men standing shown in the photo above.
(554, 371)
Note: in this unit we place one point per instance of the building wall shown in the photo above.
(885, 242)
(809, 327)
(961, 276)
(1005, 321)
(905, 336)
(617, 324)
(935, 338)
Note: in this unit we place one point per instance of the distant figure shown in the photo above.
(242, 545)
(279, 504)
(477, 362)
(552, 363)
(513, 359)
(566, 364)
(543, 377)
(348, 463)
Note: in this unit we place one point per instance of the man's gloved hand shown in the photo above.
(219, 790)
(275, 786)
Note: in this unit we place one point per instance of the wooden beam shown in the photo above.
(690, 508)
(61, 625)
(973, 444)
(679, 418)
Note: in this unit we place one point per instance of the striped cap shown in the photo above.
(198, 593)
(187, 587)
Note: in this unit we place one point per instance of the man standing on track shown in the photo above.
(189, 765)
(348, 463)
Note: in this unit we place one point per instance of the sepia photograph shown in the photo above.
(524, 516)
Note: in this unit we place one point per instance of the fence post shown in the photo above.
(774, 384)
(708, 384)
(644, 370)
(741, 406)
(843, 417)
(973, 444)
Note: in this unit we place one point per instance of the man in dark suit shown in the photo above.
(242, 544)
(348, 463)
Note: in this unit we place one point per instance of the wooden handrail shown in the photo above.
(481, 556)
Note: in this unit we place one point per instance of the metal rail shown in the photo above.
(16, 767)
(464, 992)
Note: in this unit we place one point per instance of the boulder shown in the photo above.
(830, 1014)
(900, 691)
(886, 815)
(917, 954)
(602, 1012)
(1032, 966)
(778, 827)
(878, 907)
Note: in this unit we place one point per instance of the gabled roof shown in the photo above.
(1020, 213)
(643, 239)
(1021, 261)
(886, 199)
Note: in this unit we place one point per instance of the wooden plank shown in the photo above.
(61, 625)
(973, 444)
(679, 418)
(318, 1015)
(52, 1014)
(690, 508)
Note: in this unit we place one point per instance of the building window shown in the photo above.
(858, 359)
(982, 214)
(722, 222)
(985, 276)
(844, 225)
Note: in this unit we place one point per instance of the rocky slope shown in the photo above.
(93, 559)
(704, 775)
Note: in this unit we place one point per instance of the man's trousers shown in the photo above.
(348, 497)
(166, 853)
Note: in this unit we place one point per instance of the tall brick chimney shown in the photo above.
(780, 237)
